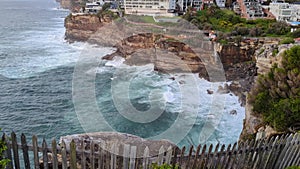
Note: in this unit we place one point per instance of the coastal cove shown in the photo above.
(37, 79)
(241, 59)
(142, 48)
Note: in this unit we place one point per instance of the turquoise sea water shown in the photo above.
(37, 84)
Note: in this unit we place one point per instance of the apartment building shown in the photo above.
(281, 11)
(254, 8)
(149, 7)
(295, 12)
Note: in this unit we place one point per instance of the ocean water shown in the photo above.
(48, 87)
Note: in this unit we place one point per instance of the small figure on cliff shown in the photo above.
(212, 36)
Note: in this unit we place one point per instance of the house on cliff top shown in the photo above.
(150, 7)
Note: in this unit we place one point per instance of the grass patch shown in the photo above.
(140, 19)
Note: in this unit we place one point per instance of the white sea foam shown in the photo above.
(44, 48)
(116, 62)
(169, 96)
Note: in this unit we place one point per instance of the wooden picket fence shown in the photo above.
(273, 153)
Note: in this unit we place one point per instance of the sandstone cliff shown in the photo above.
(266, 55)
(82, 27)
(169, 53)
(73, 5)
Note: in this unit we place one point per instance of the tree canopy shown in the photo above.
(276, 95)
(224, 20)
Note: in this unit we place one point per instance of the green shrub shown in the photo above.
(223, 41)
(275, 52)
(279, 28)
(296, 33)
(224, 20)
(293, 167)
(287, 41)
(276, 95)
(164, 166)
(3, 161)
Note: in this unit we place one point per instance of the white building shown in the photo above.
(221, 3)
(281, 11)
(198, 4)
(149, 7)
(93, 7)
(295, 12)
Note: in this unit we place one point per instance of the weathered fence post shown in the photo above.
(189, 157)
(25, 151)
(126, 154)
(45, 154)
(276, 152)
(283, 151)
(226, 157)
(132, 157)
(160, 157)
(231, 156)
(196, 156)
(92, 155)
(64, 155)
(175, 153)
(212, 161)
(201, 161)
(54, 155)
(73, 155)
(220, 155)
(15, 150)
(169, 155)
(35, 152)
(146, 158)
(181, 156)
(102, 152)
(272, 149)
(113, 156)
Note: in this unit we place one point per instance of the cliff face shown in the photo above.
(238, 60)
(169, 55)
(66, 4)
(165, 51)
(81, 27)
(73, 5)
(266, 55)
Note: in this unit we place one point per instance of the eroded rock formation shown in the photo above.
(82, 27)
(73, 5)
(240, 61)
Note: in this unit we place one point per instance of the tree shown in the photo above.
(279, 28)
(276, 95)
(296, 33)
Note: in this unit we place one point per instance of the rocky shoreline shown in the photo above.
(174, 55)
(241, 62)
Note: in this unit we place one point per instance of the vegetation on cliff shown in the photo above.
(276, 95)
(105, 12)
(223, 20)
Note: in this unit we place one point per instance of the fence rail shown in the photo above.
(273, 153)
